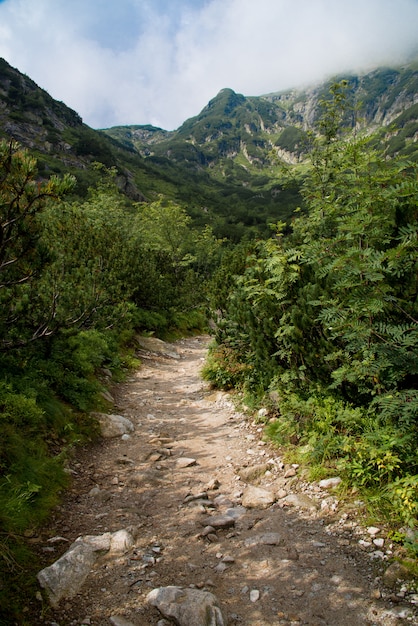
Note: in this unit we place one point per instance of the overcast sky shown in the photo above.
(160, 61)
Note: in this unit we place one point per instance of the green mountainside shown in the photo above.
(225, 164)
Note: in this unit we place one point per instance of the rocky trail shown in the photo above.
(192, 519)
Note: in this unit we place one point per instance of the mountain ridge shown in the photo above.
(224, 164)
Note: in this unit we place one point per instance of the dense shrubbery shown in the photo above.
(77, 280)
(325, 319)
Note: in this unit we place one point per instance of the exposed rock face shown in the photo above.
(187, 607)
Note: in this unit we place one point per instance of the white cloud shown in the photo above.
(155, 61)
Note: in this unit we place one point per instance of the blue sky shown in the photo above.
(160, 61)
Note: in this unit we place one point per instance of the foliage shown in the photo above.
(78, 279)
(326, 316)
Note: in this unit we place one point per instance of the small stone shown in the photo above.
(219, 521)
(248, 474)
(301, 501)
(213, 484)
(254, 595)
(330, 483)
(266, 539)
(220, 568)
(373, 531)
(184, 462)
(228, 559)
(282, 493)
(290, 472)
(256, 498)
(380, 542)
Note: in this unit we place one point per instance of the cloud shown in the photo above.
(159, 62)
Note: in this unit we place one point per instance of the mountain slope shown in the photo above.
(225, 164)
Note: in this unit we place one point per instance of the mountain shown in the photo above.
(254, 131)
(224, 164)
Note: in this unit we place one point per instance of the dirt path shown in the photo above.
(282, 564)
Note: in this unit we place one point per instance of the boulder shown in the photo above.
(113, 425)
(187, 607)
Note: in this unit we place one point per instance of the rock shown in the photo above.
(290, 472)
(254, 595)
(301, 501)
(329, 483)
(249, 474)
(187, 607)
(213, 484)
(257, 498)
(379, 542)
(120, 543)
(218, 521)
(184, 462)
(282, 493)
(113, 425)
(373, 531)
(236, 512)
(118, 620)
(395, 572)
(107, 396)
(152, 344)
(222, 500)
(65, 577)
(266, 539)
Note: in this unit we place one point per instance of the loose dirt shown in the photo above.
(315, 573)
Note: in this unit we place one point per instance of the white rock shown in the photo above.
(121, 542)
(329, 483)
(184, 462)
(254, 595)
(372, 530)
(380, 542)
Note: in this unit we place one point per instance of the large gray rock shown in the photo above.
(65, 577)
(187, 607)
(113, 425)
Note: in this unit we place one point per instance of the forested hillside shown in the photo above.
(289, 221)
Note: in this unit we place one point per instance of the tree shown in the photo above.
(22, 200)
